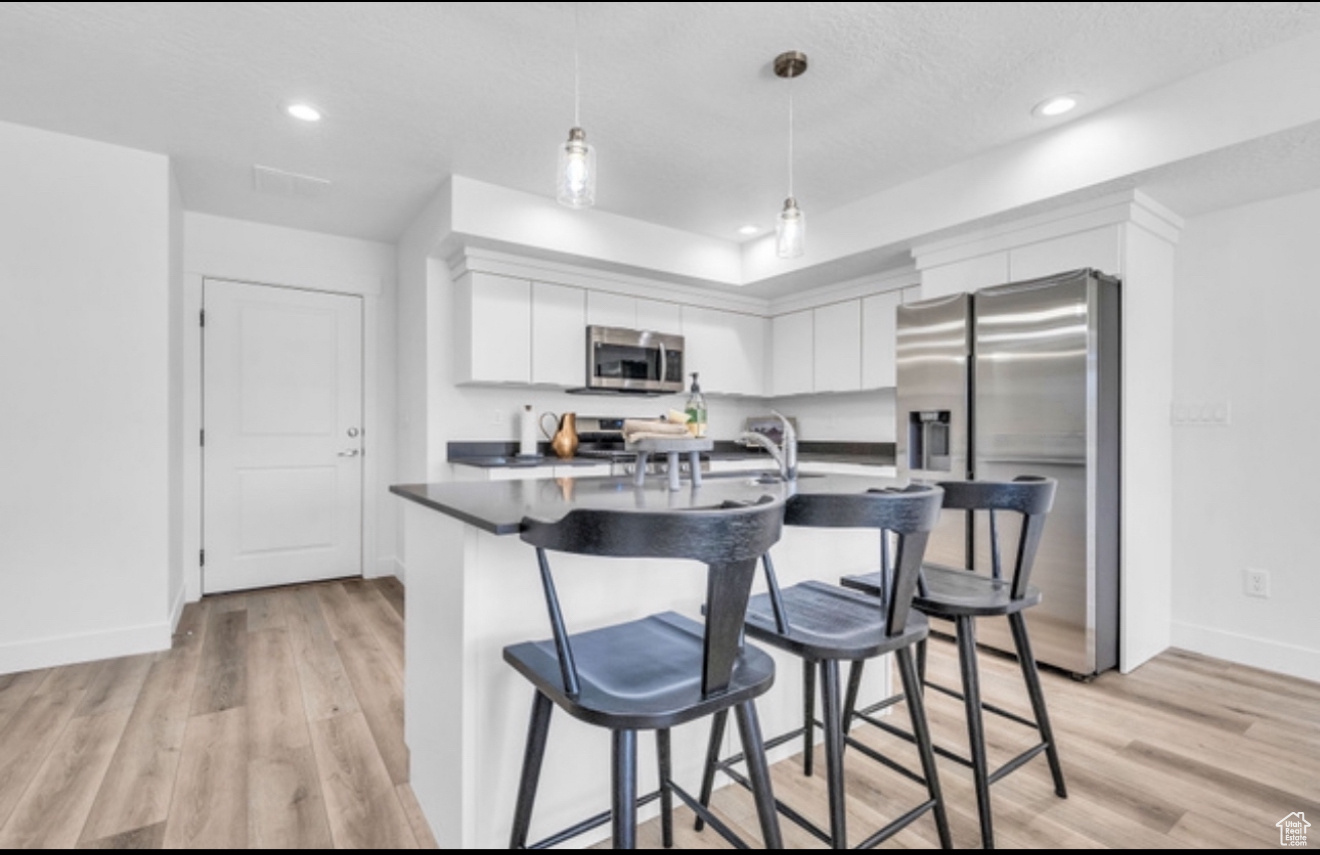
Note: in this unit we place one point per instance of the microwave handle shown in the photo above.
(664, 371)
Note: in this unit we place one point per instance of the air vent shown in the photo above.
(277, 182)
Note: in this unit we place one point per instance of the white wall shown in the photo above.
(1244, 334)
(223, 248)
(174, 587)
(84, 380)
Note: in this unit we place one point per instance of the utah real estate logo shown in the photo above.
(1292, 829)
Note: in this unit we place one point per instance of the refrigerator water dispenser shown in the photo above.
(928, 440)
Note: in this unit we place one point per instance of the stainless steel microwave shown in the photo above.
(627, 360)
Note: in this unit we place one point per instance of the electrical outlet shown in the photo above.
(1257, 583)
(498, 419)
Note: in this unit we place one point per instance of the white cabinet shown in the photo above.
(879, 336)
(559, 321)
(727, 348)
(837, 347)
(791, 368)
(634, 313)
(969, 274)
(658, 316)
(492, 329)
(611, 310)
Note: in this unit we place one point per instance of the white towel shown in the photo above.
(635, 429)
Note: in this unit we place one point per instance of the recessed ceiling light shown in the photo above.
(304, 112)
(1056, 106)
(749, 230)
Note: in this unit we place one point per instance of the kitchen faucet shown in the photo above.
(786, 456)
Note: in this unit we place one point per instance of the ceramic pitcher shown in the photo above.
(564, 442)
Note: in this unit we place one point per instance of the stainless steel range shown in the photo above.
(602, 437)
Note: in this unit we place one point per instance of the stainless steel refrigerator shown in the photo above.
(1023, 379)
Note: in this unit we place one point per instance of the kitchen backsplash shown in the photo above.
(492, 413)
(842, 417)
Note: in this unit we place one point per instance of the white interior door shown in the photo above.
(282, 449)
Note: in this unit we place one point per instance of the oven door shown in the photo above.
(637, 360)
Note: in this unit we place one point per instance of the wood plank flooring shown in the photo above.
(276, 720)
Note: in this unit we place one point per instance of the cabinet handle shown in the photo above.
(350, 453)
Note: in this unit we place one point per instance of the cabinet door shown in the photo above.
(559, 337)
(493, 329)
(878, 337)
(792, 339)
(611, 310)
(658, 316)
(837, 347)
(727, 348)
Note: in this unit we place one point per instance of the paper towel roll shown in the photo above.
(527, 439)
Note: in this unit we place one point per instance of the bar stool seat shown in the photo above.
(656, 672)
(953, 591)
(644, 674)
(826, 622)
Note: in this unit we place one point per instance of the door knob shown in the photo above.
(353, 452)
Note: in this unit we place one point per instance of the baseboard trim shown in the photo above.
(176, 610)
(1290, 659)
(387, 566)
(85, 647)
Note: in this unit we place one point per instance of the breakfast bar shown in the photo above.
(473, 588)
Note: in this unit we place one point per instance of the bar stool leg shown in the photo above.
(666, 788)
(808, 716)
(1018, 622)
(855, 669)
(717, 724)
(537, 730)
(966, 631)
(920, 730)
(624, 808)
(749, 726)
(829, 695)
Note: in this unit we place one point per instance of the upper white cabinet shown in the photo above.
(611, 310)
(659, 316)
(559, 323)
(879, 334)
(969, 274)
(837, 347)
(792, 339)
(727, 349)
(492, 329)
(635, 313)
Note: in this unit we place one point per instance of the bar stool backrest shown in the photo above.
(909, 515)
(728, 539)
(1031, 496)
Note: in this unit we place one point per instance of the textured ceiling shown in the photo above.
(679, 99)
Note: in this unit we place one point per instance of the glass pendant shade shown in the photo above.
(791, 231)
(577, 171)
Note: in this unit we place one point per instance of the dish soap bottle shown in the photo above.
(696, 410)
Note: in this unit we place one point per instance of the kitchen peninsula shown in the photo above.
(473, 589)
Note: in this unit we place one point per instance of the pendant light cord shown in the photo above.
(577, 96)
(790, 137)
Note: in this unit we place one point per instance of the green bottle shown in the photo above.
(696, 409)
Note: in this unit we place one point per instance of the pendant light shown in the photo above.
(791, 230)
(576, 177)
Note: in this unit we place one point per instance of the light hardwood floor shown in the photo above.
(276, 721)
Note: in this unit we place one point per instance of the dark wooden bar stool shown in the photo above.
(826, 625)
(657, 672)
(962, 595)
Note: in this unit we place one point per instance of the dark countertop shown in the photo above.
(503, 455)
(499, 506)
